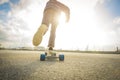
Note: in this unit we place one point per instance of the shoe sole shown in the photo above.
(38, 37)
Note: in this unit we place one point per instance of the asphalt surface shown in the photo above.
(25, 65)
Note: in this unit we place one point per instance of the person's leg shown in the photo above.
(52, 36)
(55, 22)
(37, 39)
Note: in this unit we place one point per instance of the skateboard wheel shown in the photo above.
(42, 57)
(61, 57)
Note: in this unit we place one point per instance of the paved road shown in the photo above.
(25, 65)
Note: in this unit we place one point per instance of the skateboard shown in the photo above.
(51, 55)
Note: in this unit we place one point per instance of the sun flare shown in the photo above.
(81, 30)
(62, 18)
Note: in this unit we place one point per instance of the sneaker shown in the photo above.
(50, 48)
(39, 34)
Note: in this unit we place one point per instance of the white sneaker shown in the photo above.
(37, 39)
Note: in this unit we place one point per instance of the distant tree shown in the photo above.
(0, 45)
(117, 49)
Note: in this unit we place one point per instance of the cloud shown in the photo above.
(17, 26)
(109, 20)
(13, 28)
(3, 1)
(116, 20)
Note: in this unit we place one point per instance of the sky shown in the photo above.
(93, 25)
